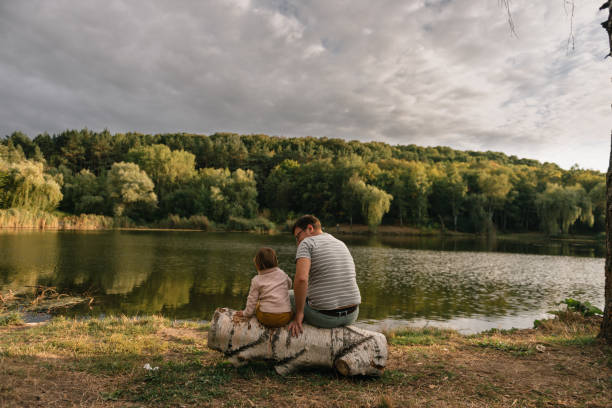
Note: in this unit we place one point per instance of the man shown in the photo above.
(325, 292)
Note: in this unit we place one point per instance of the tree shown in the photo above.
(218, 194)
(560, 207)
(606, 325)
(165, 167)
(409, 183)
(280, 189)
(448, 191)
(494, 185)
(352, 193)
(84, 193)
(25, 185)
(130, 190)
(374, 202)
(598, 199)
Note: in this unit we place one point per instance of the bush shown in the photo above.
(11, 319)
(585, 308)
(259, 224)
(86, 222)
(199, 222)
(123, 222)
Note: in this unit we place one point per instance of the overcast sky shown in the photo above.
(433, 72)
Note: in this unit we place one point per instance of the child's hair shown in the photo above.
(265, 259)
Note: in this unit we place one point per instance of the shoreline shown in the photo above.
(360, 230)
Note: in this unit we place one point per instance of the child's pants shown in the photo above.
(273, 319)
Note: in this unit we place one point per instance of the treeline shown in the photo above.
(254, 181)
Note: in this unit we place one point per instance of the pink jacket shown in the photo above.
(271, 289)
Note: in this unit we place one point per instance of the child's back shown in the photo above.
(269, 294)
(272, 286)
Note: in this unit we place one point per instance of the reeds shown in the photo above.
(258, 224)
(20, 218)
(86, 222)
(197, 222)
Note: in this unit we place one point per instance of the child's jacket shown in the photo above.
(270, 287)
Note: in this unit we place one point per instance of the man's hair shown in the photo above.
(265, 259)
(305, 220)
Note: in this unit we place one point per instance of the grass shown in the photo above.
(11, 318)
(189, 381)
(100, 361)
(419, 336)
(513, 348)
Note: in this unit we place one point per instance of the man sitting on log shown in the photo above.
(325, 292)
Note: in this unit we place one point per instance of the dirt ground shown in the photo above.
(524, 368)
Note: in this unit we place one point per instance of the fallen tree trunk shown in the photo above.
(349, 349)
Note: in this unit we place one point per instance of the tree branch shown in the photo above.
(506, 5)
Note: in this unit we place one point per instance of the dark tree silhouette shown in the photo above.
(606, 325)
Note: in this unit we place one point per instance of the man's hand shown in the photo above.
(295, 327)
(239, 313)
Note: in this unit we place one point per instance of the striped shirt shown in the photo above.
(331, 281)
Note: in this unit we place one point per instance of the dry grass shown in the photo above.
(99, 362)
(20, 218)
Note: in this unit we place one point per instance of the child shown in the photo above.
(269, 293)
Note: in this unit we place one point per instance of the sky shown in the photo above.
(431, 73)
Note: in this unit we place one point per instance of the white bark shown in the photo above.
(349, 349)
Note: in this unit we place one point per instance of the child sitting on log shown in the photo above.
(269, 294)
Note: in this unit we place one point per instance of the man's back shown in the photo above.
(332, 282)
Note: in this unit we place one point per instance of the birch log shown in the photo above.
(349, 349)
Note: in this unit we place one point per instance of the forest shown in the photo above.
(260, 182)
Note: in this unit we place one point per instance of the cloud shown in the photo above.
(425, 72)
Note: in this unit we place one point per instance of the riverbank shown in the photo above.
(14, 219)
(99, 362)
(396, 230)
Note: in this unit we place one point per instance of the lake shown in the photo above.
(467, 284)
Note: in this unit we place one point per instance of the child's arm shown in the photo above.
(249, 310)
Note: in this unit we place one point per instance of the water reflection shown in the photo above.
(402, 280)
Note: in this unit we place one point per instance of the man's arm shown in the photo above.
(300, 288)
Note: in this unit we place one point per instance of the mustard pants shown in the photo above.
(273, 319)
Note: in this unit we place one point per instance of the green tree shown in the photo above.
(375, 203)
(409, 183)
(560, 207)
(598, 199)
(165, 167)
(84, 193)
(281, 190)
(130, 190)
(26, 185)
(219, 194)
(353, 192)
(494, 185)
(448, 191)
